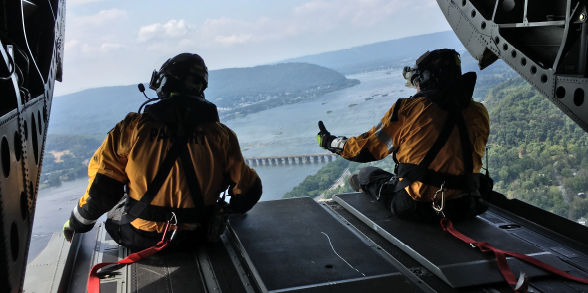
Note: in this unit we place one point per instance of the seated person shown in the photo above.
(437, 138)
(175, 160)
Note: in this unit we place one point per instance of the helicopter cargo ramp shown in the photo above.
(348, 244)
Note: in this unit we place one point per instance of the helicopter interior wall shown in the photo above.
(7, 87)
(39, 24)
(28, 47)
(544, 52)
(538, 11)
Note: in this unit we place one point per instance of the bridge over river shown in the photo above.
(291, 160)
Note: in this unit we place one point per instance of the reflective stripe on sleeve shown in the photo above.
(339, 142)
(384, 138)
(80, 218)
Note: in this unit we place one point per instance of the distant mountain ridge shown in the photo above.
(382, 54)
(236, 91)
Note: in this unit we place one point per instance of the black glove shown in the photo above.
(324, 137)
(330, 142)
(241, 203)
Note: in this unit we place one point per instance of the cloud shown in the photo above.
(233, 39)
(173, 29)
(228, 31)
(101, 48)
(70, 45)
(308, 20)
(82, 2)
(356, 12)
(100, 18)
(107, 47)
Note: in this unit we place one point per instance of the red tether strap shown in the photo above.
(94, 281)
(505, 270)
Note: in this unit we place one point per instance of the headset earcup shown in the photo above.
(425, 76)
(162, 89)
(153, 83)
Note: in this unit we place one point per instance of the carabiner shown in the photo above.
(173, 220)
(439, 208)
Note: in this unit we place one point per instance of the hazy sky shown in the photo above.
(115, 42)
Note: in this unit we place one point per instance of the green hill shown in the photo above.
(66, 158)
(536, 153)
(241, 91)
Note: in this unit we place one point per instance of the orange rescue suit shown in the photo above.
(134, 149)
(411, 130)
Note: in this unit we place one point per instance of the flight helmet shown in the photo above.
(434, 69)
(185, 73)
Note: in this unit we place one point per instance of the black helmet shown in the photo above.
(185, 73)
(437, 68)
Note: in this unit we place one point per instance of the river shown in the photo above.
(284, 130)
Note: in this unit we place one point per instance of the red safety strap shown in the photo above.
(94, 281)
(505, 270)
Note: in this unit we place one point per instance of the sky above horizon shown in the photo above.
(114, 42)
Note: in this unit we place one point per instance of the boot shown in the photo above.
(354, 183)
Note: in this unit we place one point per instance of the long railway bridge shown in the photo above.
(291, 160)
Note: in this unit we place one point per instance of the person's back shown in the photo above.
(420, 124)
(175, 159)
(437, 138)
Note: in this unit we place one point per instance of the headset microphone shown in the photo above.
(142, 90)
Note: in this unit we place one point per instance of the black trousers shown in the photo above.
(380, 185)
(125, 234)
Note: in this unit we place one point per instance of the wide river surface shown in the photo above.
(284, 130)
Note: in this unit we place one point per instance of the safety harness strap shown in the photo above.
(466, 152)
(161, 214)
(94, 280)
(191, 178)
(411, 173)
(431, 177)
(137, 207)
(441, 140)
(143, 208)
(503, 266)
(420, 172)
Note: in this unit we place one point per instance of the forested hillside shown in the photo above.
(241, 91)
(536, 154)
(66, 158)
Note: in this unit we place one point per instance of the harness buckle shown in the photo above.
(439, 207)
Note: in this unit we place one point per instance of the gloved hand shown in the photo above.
(68, 231)
(324, 137)
(330, 142)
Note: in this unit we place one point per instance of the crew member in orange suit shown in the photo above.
(437, 138)
(173, 160)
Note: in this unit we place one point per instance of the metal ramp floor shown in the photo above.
(350, 244)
